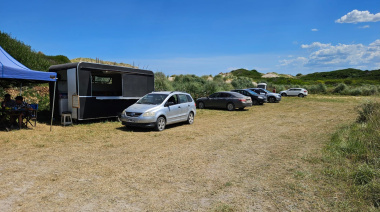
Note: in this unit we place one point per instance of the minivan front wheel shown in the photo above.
(272, 99)
(160, 123)
(190, 118)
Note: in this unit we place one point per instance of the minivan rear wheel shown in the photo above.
(190, 118)
(300, 95)
(160, 123)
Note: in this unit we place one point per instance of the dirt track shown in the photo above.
(253, 160)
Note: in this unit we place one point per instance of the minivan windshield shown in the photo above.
(152, 99)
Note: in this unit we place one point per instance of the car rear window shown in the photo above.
(182, 98)
(189, 99)
(225, 95)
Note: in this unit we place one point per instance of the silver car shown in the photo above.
(158, 109)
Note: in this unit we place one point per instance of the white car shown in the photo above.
(300, 92)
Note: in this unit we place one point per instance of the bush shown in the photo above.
(340, 88)
(210, 87)
(369, 90)
(241, 83)
(367, 110)
(353, 92)
(161, 82)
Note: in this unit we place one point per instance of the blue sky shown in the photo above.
(204, 37)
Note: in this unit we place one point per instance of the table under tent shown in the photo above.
(11, 69)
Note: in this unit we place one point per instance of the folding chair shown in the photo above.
(32, 115)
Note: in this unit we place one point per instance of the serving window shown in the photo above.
(106, 84)
(99, 83)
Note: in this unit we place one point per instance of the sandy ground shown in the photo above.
(252, 160)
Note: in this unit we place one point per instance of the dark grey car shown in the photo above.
(225, 99)
(272, 97)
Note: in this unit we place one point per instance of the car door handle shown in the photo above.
(179, 106)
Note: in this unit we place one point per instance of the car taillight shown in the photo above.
(242, 100)
(305, 91)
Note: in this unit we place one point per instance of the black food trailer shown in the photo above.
(93, 91)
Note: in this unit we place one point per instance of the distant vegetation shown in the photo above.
(253, 74)
(90, 60)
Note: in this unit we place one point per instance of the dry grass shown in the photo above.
(260, 159)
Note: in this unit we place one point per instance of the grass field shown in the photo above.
(262, 159)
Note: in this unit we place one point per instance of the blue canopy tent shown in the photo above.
(12, 69)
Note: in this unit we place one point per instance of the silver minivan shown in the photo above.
(158, 109)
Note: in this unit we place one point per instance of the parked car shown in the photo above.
(158, 109)
(300, 92)
(256, 99)
(225, 99)
(272, 97)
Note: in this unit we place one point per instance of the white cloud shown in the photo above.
(299, 61)
(364, 27)
(356, 16)
(315, 45)
(314, 30)
(338, 56)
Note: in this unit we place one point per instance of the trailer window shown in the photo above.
(106, 84)
(101, 80)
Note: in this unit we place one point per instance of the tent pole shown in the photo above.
(21, 89)
(52, 111)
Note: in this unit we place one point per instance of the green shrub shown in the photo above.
(210, 87)
(371, 192)
(367, 110)
(161, 83)
(369, 90)
(363, 174)
(340, 88)
(242, 82)
(353, 92)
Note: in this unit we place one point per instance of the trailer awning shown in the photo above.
(10, 68)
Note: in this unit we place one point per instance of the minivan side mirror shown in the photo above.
(167, 104)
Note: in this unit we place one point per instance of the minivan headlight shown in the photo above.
(149, 114)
